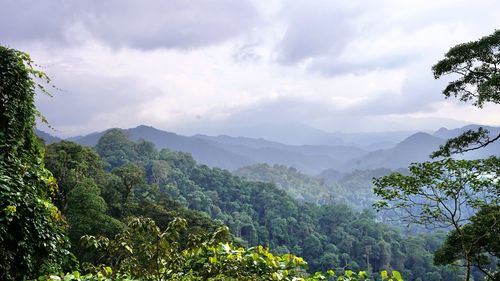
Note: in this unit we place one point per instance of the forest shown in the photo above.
(125, 210)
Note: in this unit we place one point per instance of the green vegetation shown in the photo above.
(299, 186)
(329, 237)
(353, 189)
(32, 236)
(461, 195)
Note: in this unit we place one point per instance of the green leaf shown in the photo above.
(397, 275)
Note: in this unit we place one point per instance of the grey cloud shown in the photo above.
(245, 53)
(418, 94)
(332, 66)
(138, 24)
(314, 30)
(91, 102)
(321, 33)
(293, 113)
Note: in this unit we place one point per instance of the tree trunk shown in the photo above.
(468, 268)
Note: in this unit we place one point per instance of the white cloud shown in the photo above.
(187, 66)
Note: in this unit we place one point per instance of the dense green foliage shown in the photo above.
(257, 213)
(31, 228)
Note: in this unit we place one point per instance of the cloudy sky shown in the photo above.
(207, 66)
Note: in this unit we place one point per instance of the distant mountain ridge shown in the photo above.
(232, 153)
(46, 137)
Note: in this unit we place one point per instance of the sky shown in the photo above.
(211, 66)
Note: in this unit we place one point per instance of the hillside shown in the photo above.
(301, 187)
(330, 186)
(257, 213)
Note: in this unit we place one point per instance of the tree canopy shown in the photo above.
(477, 65)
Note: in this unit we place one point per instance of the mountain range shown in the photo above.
(232, 153)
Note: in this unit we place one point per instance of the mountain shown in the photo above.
(446, 133)
(372, 141)
(307, 158)
(415, 148)
(374, 150)
(204, 151)
(491, 149)
(46, 137)
(291, 134)
(234, 152)
(88, 140)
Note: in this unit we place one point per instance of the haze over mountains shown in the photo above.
(326, 151)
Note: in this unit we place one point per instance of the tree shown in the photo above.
(444, 194)
(32, 239)
(481, 234)
(116, 149)
(145, 251)
(455, 192)
(477, 65)
(131, 176)
(70, 163)
(86, 214)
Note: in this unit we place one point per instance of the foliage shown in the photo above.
(298, 185)
(131, 176)
(477, 65)
(145, 252)
(441, 193)
(70, 164)
(480, 237)
(354, 189)
(86, 214)
(256, 213)
(467, 141)
(32, 239)
(447, 193)
(116, 149)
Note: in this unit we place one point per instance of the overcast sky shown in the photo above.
(205, 66)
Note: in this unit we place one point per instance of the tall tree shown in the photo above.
(444, 194)
(32, 240)
(456, 192)
(116, 149)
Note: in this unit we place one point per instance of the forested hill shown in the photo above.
(351, 188)
(257, 213)
(233, 153)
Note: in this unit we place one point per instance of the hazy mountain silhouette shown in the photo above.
(235, 152)
(415, 148)
(46, 137)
